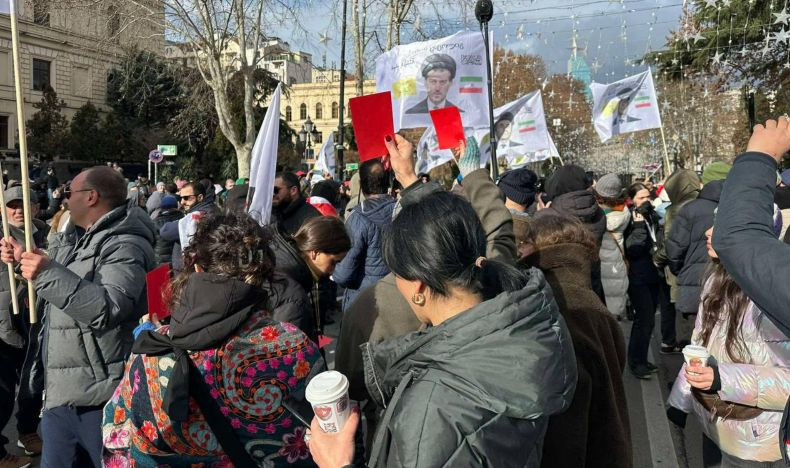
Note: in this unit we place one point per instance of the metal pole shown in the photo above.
(149, 169)
(492, 139)
(6, 235)
(342, 105)
(20, 118)
(156, 166)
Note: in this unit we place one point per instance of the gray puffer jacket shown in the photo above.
(451, 401)
(614, 272)
(93, 294)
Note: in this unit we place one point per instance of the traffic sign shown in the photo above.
(168, 150)
(155, 156)
(352, 166)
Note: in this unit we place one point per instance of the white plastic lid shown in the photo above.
(695, 350)
(326, 387)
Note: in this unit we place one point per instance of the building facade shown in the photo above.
(69, 50)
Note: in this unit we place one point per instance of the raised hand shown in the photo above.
(773, 138)
(400, 157)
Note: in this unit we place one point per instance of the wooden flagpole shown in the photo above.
(6, 235)
(20, 120)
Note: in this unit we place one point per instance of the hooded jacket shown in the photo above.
(686, 246)
(614, 272)
(762, 381)
(92, 295)
(164, 248)
(363, 264)
(452, 402)
(289, 219)
(594, 431)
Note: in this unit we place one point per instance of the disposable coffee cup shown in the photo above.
(328, 394)
(695, 356)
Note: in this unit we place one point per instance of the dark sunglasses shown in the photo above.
(187, 197)
(276, 190)
(67, 192)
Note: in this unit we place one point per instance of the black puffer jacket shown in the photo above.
(164, 248)
(452, 402)
(686, 245)
(640, 245)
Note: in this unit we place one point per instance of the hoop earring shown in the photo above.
(418, 299)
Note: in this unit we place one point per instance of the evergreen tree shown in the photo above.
(48, 129)
(83, 133)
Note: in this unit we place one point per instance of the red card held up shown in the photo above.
(449, 128)
(156, 282)
(371, 117)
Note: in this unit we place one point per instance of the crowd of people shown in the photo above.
(481, 324)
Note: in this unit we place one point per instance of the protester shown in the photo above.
(169, 212)
(686, 246)
(364, 266)
(610, 195)
(91, 284)
(355, 193)
(594, 431)
(18, 340)
(195, 206)
(290, 210)
(324, 197)
(236, 198)
(380, 312)
(155, 199)
(52, 181)
(446, 377)
(53, 205)
(739, 394)
(519, 188)
(682, 187)
(219, 321)
(644, 289)
(782, 200)
(309, 257)
(569, 192)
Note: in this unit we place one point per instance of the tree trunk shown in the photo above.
(359, 43)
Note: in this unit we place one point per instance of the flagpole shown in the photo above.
(666, 153)
(6, 235)
(20, 120)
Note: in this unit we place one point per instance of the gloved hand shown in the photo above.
(470, 160)
(143, 327)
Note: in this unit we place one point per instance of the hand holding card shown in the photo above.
(371, 116)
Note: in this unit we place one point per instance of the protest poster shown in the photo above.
(424, 76)
(625, 106)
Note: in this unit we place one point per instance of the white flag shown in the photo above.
(626, 106)
(264, 162)
(326, 160)
(429, 75)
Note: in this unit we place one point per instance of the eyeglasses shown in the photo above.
(187, 197)
(276, 190)
(67, 192)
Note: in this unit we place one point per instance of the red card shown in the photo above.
(156, 282)
(449, 128)
(371, 117)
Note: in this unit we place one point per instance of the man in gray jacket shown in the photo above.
(91, 289)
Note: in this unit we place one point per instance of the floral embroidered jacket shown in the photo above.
(248, 376)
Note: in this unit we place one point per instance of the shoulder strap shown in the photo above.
(217, 422)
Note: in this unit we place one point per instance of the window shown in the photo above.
(41, 74)
(81, 81)
(41, 12)
(319, 111)
(335, 110)
(113, 23)
(303, 112)
(4, 131)
(288, 114)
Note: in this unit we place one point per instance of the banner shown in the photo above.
(522, 136)
(429, 75)
(626, 106)
(326, 160)
(264, 162)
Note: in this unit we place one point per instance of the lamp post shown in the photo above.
(307, 135)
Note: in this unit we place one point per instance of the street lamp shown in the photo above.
(307, 135)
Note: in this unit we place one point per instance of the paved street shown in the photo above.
(656, 442)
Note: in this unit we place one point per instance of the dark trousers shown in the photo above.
(645, 299)
(28, 405)
(72, 437)
(668, 315)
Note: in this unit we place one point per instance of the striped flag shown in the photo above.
(626, 106)
(471, 85)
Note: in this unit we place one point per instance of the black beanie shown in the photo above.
(519, 185)
(566, 179)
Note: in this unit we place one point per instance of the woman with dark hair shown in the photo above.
(309, 257)
(216, 378)
(450, 400)
(644, 288)
(739, 395)
(594, 431)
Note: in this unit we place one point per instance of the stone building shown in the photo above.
(71, 48)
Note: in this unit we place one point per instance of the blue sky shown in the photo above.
(611, 31)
